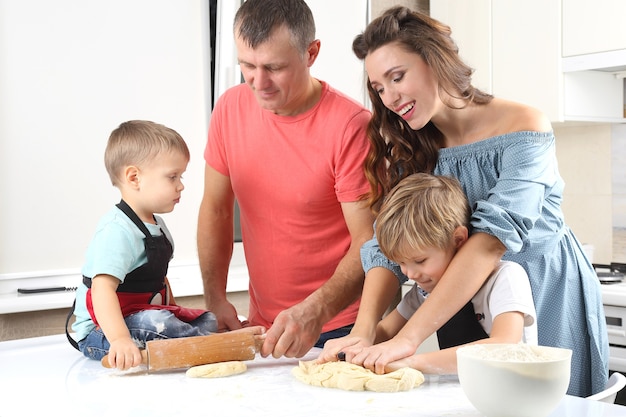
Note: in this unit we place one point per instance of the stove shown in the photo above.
(612, 278)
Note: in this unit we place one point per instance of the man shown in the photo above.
(290, 149)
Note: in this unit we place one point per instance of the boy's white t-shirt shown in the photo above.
(506, 289)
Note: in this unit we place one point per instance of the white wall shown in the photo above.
(70, 72)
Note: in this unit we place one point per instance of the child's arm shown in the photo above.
(380, 286)
(389, 326)
(123, 353)
(170, 294)
(507, 328)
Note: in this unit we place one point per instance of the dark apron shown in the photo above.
(144, 288)
(462, 328)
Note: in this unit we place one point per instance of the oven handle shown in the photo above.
(620, 333)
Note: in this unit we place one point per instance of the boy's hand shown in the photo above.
(124, 354)
(349, 346)
(377, 357)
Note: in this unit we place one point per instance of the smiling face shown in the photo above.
(405, 83)
(427, 266)
(277, 72)
(159, 184)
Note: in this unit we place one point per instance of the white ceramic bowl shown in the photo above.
(514, 380)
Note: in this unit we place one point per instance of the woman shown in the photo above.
(427, 117)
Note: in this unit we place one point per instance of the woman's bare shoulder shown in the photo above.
(520, 117)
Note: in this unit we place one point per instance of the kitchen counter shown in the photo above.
(45, 375)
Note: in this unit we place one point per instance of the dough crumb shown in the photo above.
(350, 377)
(217, 370)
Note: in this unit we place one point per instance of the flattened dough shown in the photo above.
(216, 370)
(350, 377)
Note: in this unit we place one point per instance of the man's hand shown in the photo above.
(293, 333)
(226, 315)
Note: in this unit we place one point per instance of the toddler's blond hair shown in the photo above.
(139, 141)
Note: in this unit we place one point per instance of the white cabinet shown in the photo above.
(594, 96)
(470, 22)
(516, 51)
(592, 27)
(594, 59)
(526, 54)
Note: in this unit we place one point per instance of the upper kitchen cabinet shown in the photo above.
(594, 59)
(517, 53)
(592, 27)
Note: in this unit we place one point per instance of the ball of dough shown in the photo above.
(217, 370)
(350, 377)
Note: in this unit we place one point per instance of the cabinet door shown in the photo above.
(590, 27)
(527, 52)
(470, 22)
(513, 45)
(337, 23)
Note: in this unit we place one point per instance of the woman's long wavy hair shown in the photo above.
(397, 150)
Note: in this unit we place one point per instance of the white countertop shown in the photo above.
(45, 375)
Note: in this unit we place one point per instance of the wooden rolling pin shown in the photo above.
(186, 352)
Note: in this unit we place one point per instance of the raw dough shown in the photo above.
(216, 370)
(350, 377)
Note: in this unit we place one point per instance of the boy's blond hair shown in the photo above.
(421, 212)
(139, 141)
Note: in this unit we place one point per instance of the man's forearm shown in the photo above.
(215, 249)
(342, 289)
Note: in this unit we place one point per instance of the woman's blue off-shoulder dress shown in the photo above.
(515, 191)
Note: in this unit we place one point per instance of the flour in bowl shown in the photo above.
(512, 353)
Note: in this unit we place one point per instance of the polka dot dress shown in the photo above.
(515, 191)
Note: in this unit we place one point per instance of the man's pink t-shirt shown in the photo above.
(289, 175)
